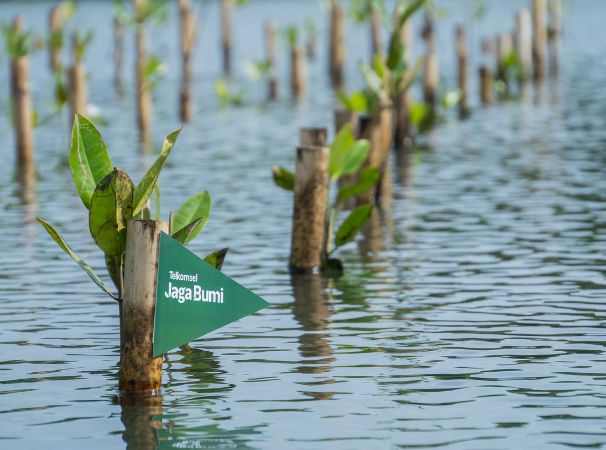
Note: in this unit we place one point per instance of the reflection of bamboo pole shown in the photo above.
(270, 51)
(337, 43)
(226, 34)
(139, 371)
(141, 417)
(523, 41)
(485, 85)
(144, 100)
(539, 8)
(555, 28)
(118, 53)
(462, 62)
(22, 105)
(297, 72)
(188, 34)
(310, 203)
(55, 25)
(77, 84)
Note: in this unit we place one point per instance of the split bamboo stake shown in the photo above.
(337, 43)
(139, 371)
(485, 85)
(462, 62)
(523, 41)
(402, 127)
(310, 203)
(313, 137)
(118, 53)
(55, 25)
(188, 35)
(226, 34)
(77, 83)
(555, 28)
(270, 51)
(144, 99)
(298, 82)
(22, 105)
(539, 38)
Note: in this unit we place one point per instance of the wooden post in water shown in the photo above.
(226, 34)
(462, 63)
(504, 49)
(375, 32)
(54, 21)
(555, 28)
(139, 371)
(431, 76)
(337, 43)
(313, 137)
(143, 89)
(403, 102)
(298, 82)
(22, 105)
(310, 203)
(485, 85)
(118, 53)
(539, 10)
(77, 83)
(188, 35)
(523, 41)
(346, 116)
(270, 52)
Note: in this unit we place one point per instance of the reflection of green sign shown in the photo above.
(193, 298)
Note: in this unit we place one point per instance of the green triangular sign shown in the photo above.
(193, 298)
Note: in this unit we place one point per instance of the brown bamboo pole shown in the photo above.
(22, 105)
(431, 76)
(270, 52)
(555, 28)
(403, 102)
(346, 116)
(485, 85)
(54, 20)
(462, 65)
(298, 82)
(226, 34)
(337, 52)
(375, 32)
(523, 41)
(310, 203)
(144, 99)
(139, 371)
(77, 83)
(504, 49)
(188, 35)
(118, 53)
(539, 10)
(313, 137)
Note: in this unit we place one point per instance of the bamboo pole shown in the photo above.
(462, 63)
(55, 25)
(337, 43)
(139, 371)
(144, 99)
(118, 53)
(77, 83)
(313, 137)
(539, 38)
(298, 82)
(523, 41)
(22, 105)
(310, 204)
(226, 34)
(555, 28)
(346, 116)
(431, 76)
(188, 35)
(375, 32)
(504, 49)
(403, 102)
(270, 52)
(485, 85)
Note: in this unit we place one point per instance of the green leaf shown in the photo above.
(111, 263)
(196, 207)
(369, 177)
(347, 154)
(146, 185)
(284, 178)
(352, 224)
(358, 101)
(185, 234)
(110, 210)
(67, 249)
(88, 158)
(157, 202)
(216, 258)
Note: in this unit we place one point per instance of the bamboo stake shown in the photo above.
(337, 43)
(144, 99)
(555, 28)
(310, 203)
(403, 103)
(431, 76)
(346, 116)
(22, 105)
(462, 61)
(226, 34)
(77, 83)
(539, 38)
(485, 85)
(118, 53)
(270, 51)
(55, 25)
(504, 49)
(188, 35)
(298, 83)
(375, 32)
(139, 371)
(523, 41)
(313, 137)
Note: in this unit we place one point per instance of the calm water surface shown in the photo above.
(471, 316)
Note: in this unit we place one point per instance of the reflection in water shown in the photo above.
(141, 417)
(26, 191)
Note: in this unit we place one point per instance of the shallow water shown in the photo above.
(471, 314)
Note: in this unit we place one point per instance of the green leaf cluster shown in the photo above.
(18, 43)
(112, 200)
(81, 42)
(226, 96)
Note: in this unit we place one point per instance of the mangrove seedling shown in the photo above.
(112, 199)
(347, 155)
(56, 40)
(226, 96)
